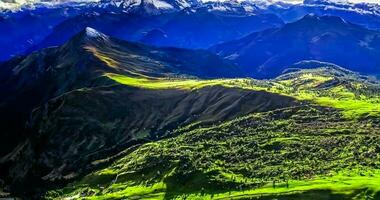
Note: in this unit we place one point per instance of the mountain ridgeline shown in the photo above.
(56, 90)
(83, 61)
(180, 29)
(330, 39)
(167, 23)
(176, 99)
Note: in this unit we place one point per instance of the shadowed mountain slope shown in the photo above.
(28, 82)
(82, 62)
(80, 105)
(68, 136)
(327, 38)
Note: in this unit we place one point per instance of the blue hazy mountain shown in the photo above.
(53, 25)
(327, 38)
(203, 28)
(24, 29)
(171, 113)
(365, 14)
(161, 22)
(187, 28)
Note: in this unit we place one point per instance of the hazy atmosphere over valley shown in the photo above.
(190, 99)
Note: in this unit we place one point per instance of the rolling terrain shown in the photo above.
(164, 132)
(140, 93)
(176, 99)
(325, 147)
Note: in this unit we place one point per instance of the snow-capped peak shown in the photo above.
(92, 34)
(149, 6)
(363, 8)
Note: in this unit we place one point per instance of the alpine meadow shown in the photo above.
(189, 99)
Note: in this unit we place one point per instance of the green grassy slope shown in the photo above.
(108, 105)
(356, 96)
(327, 148)
(88, 128)
(86, 117)
(279, 152)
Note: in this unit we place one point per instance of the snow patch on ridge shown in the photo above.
(160, 4)
(92, 33)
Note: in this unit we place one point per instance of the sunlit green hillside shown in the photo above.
(284, 152)
(332, 87)
(328, 146)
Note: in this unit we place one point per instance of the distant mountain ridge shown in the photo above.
(365, 14)
(48, 17)
(327, 38)
(125, 99)
(182, 28)
(129, 20)
(149, 6)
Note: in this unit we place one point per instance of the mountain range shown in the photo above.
(174, 99)
(95, 101)
(180, 29)
(267, 53)
(56, 23)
